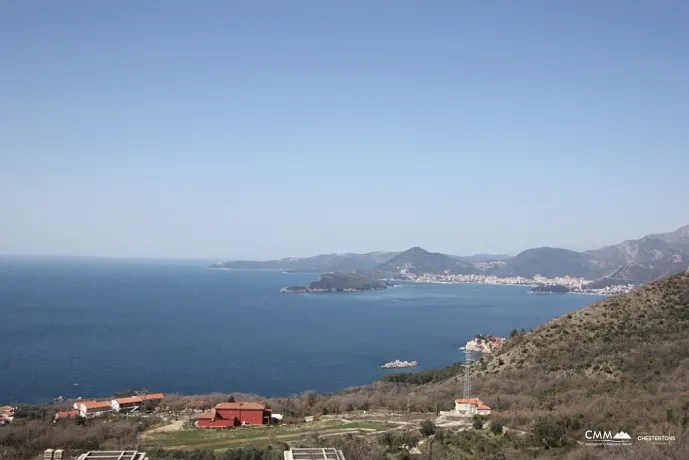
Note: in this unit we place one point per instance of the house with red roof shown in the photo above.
(233, 414)
(153, 397)
(471, 407)
(151, 401)
(129, 404)
(93, 408)
(212, 419)
(66, 414)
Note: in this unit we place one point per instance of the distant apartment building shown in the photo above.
(226, 415)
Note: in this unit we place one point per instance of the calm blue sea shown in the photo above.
(91, 327)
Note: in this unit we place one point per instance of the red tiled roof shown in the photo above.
(67, 414)
(241, 406)
(207, 415)
(95, 404)
(474, 401)
(483, 407)
(129, 400)
(152, 396)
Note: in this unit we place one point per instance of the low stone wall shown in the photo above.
(451, 413)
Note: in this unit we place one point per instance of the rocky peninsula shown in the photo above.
(550, 289)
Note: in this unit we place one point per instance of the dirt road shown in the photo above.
(174, 426)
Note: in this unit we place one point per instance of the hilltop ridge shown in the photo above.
(632, 261)
(553, 262)
(605, 362)
(417, 260)
(656, 314)
(650, 257)
(321, 263)
(622, 361)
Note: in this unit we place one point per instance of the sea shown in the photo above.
(89, 327)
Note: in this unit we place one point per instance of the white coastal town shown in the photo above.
(573, 284)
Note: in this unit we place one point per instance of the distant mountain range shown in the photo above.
(344, 262)
(638, 261)
(477, 258)
(553, 262)
(317, 264)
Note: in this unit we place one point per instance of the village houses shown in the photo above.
(124, 405)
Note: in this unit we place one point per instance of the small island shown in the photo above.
(339, 282)
(397, 364)
(550, 289)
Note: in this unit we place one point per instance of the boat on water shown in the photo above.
(397, 364)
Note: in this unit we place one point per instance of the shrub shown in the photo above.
(496, 427)
(427, 428)
(477, 422)
(548, 432)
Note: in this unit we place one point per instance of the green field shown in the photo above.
(254, 435)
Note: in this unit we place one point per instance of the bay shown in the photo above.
(90, 327)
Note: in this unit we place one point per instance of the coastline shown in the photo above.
(532, 285)
(510, 284)
(472, 282)
(590, 293)
(326, 291)
(569, 293)
(246, 269)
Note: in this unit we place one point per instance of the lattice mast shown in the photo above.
(468, 359)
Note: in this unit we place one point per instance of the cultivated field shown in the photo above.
(178, 438)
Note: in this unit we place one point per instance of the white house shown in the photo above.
(6, 414)
(483, 409)
(471, 407)
(130, 404)
(93, 408)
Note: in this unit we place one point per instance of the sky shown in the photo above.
(266, 129)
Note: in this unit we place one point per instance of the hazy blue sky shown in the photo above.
(267, 129)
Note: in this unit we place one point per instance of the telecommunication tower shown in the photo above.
(468, 359)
